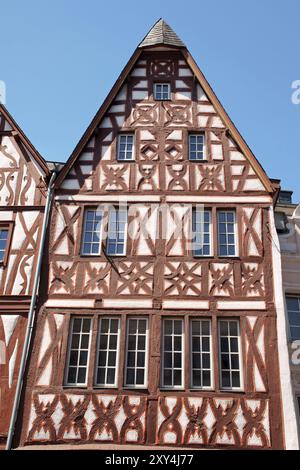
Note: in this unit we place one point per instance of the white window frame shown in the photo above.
(145, 384)
(194, 210)
(155, 91)
(236, 240)
(173, 387)
(115, 384)
(125, 209)
(82, 384)
(192, 386)
(240, 353)
(196, 134)
(84, 231)
(297, 296)
(133, 148)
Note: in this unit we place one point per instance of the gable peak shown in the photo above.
(161, 33)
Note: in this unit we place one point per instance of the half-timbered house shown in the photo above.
(159, 319)
(23, 177)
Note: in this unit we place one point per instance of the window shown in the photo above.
(172, 348)
(107, 352)
(226, 233)
(117, 227)
(229, 344)
(78, 351)
(281, 222)
(201, 227)
(136, 353)
(285, 197)
(200, 350)
(162, 91)
(4, 232)
(91, 238)
(293, 308)
(196, 147)
(125, 147)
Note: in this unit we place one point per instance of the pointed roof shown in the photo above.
(161, 33)
(19, 134)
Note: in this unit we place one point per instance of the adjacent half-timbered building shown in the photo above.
(159, 322)
(23, 176)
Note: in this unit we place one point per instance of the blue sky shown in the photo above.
(60, 58)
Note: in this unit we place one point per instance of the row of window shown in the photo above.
(172, 353)
(196, 147)
(117, 232)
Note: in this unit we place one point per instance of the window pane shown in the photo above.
(293, 304)
(110, 376)
(130, 377)
(71, 379)
(167, 377)
(295, 333)
(79, 343)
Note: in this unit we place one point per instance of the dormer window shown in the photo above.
(162, 91)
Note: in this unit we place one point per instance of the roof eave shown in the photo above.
(98, 116)
(24, 139)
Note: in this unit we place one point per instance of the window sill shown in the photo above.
(172, 389)
(123, 255)
(195, 389)
(78, 387)
(83, 255)
(142, 387)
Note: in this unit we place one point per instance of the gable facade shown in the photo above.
(157, 285)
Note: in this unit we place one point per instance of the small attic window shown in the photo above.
(285, 197)
(162, 91)
(281, 222)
